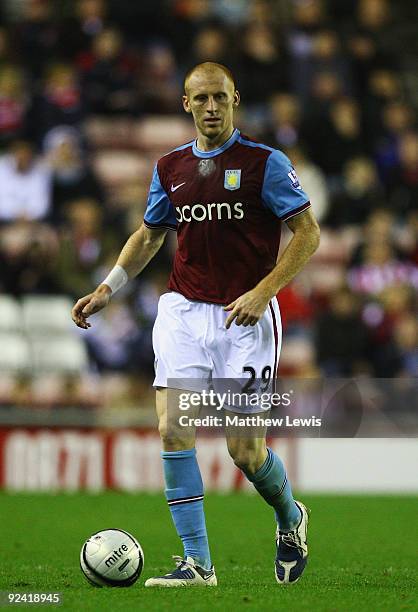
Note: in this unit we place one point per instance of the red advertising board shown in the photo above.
(43, 459)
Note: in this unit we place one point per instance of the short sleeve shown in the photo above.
(159, 211)
(282, 192)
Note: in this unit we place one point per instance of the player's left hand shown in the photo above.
(248, 308)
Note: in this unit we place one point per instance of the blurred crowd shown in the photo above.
(90, 96)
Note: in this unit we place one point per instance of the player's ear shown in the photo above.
(186, 104)
(237, 98)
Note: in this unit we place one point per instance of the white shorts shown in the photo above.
(191, 342)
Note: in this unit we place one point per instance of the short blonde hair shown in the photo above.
(209, 67)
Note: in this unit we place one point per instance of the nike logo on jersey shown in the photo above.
(177, 186)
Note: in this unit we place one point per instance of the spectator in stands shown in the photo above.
(406, 343)
(339, 138)
(7, 50)
(85, 244)
(37, 36)
(20, 394)
(72, 176)
(211, 42)
(308, 18)
(261, 65)
(360, 193)
(237, 14)
(113, 343)
(14, 102)
(59, 103)
(379, 269)
(397, 302)
(109, 74)
(411, 235)
(327, 57)
(374, 19)
(341, 336)
(370, 41)
(296, 308)
(313, 180)
(380, 226)
(402, 179)
(144, 303)
(397, 119)
(58, 391)
(326, 88)
(242, 12)
(285, 121)
(159, 85)
(25, 184)
(27, 252)
(384, 86)
(188, 16)
(384, 315)
(78, 31)
(345, 130)
(264, 13)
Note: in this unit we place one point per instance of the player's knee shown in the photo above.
(249, 460)
(175, 443)
(246, 463)
(173, 440)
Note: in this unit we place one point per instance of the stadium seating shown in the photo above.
(10, 313)
(151, 133)
(47, 314)
(116, 133)
(162, 133)
(297, 356)
(64, 355)
(38, 337)
(15, 356)
(120, 166)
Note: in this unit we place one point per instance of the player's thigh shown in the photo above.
(251, 352)
(177, 342)
(175, 424)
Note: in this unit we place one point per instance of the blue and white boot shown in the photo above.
(292, 550)
(186, 574)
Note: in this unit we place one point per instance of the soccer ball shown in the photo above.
(111, 557)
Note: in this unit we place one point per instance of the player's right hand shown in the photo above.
(90, 304)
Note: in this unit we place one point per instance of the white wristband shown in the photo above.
(116, 279)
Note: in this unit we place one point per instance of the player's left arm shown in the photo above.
(249, 307)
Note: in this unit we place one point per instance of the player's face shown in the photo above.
(211, 98)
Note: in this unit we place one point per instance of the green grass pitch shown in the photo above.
(363, 552)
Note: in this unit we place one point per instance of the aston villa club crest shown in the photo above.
(232, 179)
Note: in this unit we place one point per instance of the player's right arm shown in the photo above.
(138, 251)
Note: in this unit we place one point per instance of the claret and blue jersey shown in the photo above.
(227, 206)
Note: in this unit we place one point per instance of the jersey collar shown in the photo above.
(233, 138)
